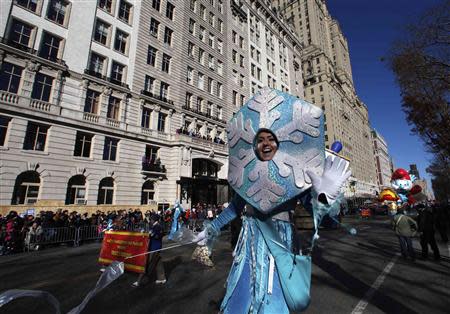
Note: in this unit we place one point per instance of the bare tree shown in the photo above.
(421, 63)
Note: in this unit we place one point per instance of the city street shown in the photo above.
(351, 274)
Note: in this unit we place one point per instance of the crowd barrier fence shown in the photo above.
(77, 235)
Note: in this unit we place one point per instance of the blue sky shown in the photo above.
(370, 28)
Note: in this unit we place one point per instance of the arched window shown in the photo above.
(76, 190)
(26, 188)
(105, 191)
(148, 192)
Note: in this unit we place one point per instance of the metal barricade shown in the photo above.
(53, 236)
(85, 233)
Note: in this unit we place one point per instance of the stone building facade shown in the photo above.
(328, 83)
(382, 160)
(125, 103)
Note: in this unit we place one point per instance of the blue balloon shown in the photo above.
(336, 147)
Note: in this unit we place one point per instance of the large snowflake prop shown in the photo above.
(298, 127)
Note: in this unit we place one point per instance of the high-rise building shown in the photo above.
(125, 103)
(413, 170)
(328, 84)
(382, 160)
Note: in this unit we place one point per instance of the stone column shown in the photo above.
(104, 101)
(155, 115)
(29, 74)
(84, 84)
(169, 122)
(57, 89)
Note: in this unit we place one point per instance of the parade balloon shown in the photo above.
(388, 195)
(415, 189)
(400, 173)
(336, 147)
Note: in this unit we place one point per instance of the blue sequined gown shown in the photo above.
(248, 288)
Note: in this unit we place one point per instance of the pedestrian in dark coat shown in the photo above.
(426, 228)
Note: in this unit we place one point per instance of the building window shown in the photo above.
(91, 104)
(149, 83)
(154, 26)
(188, 103)
(190, 49)
(234, 56)
(148, 192)
(192, 26)
(209, 109)
(4, 123)
(57, 11)
(211, 40)
(220, 46)
(169, 10)
(110, 148)
(10, 76)
(162, 122)
(219, 112)
(164, 91)
(168, 36)
(117, 72)
(190, 75)
(166, 63)
(105, 191)
(42, 87)
(96, 64)
(120, 43)
(220, 25)
(20, 33)
(35, 136)
(83, 143)
(156, 4)
(202, 34)
(201, 81)
(49, 46)
(219, 90)
(101, 33)
(146, 117)
(201, 56)
(28, 4)
(220, 67)
(113, 108)
(26, 188)
(212, 19)
(211, 62)
(105, 5)
(199, 104)
(235, 98)
(210, 86)
(76, 190)
(151, 55)
(125, 11)
(203, 12)
(193, 5)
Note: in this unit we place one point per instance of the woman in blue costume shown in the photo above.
(277, 159)
(176, 223)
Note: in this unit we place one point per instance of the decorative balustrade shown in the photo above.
(158, 97)
(113, 123)
(40, 105)
(155, 133)
(9, 98)
(91, 117)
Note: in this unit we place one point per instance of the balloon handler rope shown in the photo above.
(163, 249)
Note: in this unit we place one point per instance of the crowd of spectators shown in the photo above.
(17, 232)
(23, 232)
(195, 133)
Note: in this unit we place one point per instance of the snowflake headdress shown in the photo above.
(298, 127)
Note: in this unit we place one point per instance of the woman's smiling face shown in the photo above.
(266, 145)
